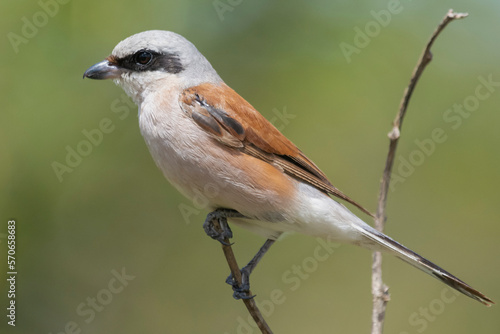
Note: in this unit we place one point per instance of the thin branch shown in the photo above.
(235, 271)
(379, 289)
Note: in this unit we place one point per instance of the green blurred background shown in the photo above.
(114, 210)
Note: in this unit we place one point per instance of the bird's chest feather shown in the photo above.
(177, 145)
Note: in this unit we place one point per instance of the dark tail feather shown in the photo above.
(423, 264)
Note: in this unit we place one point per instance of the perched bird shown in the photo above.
(208, 140)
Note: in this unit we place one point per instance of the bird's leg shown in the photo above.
(221, 216)
(241, 292)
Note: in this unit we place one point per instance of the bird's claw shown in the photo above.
(240, 291)
(213, 232)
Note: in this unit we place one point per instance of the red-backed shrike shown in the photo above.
(200, 131)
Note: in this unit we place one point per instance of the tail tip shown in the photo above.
(464, 288)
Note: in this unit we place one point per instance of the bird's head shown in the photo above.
(147, 59)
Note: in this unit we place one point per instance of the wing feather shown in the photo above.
(231, 120)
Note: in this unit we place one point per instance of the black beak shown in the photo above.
(103, 70)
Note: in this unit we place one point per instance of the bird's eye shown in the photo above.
(143, 57)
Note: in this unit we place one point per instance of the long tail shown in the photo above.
(423, 264)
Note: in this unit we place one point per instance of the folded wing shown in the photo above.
(231, 120)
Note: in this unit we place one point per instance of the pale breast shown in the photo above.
(202, 168)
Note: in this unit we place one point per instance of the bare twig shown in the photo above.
(379, 289)
(235, 271)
